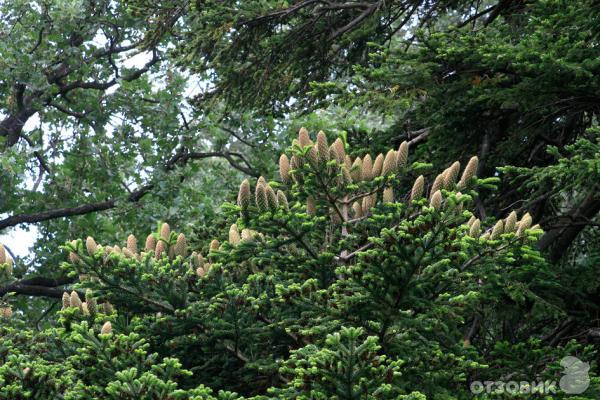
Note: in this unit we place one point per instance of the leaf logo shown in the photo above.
(576, 379)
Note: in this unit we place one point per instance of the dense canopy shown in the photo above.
(305, 199)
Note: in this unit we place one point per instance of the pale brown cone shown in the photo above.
(6, 312)
(451, 174)
(340, 151)
(214, 245)
(150, 243)
(312, 156)
(271, 198)
(367, 168)
(106, 328)
(165, 231)
(160, 248)
(497, 230)
(471, 220)
(388, 195)
(357, 209)
(84, 308)
(346, 175)
(73, 258)
(244, 195)
(75, 301)
(510, 222)
(261, 181)
(107, 308)
(2, 254)
(295, 162)
(348, 162)
(356, 170)
(389, 163)
(180, 248)
(234, 235)
(475, 229)
(311, 207)
(524, 224)
(438, 184)
(90, 245)
(200, 271)
(284, 168)
(303, 137)
(417, 189)
(260, 196)
(282, 200)
(469, 172)
(436, 200)
(377, 166)
(402, 156)
(322, 148)
(132, 244)
(66, 300)
(127, 253)
(247, 234)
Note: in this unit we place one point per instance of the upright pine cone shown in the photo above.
(132, 244)
(165, 232)
(106, 328)
(469, 172)
(438, 184)
(180, 248)
(304, 138)
(91, 302)
(2, 254)
(510, 222)
(377, 166)
(214, 245)
(313, 157)
(73, 258)
(271, 198)
(322, 148)
(451, 174)
(234, 235)
(388, 195)
(244, 195)
(160, 248)
(90, 245)
(497, 230)
(402, 156)
(284, 169)
(6, 312)
(436, 200)
(389, 163)
(524, 224)
(260, 196)
(150, 243)
(417, 189)
(367, 168)
(339, 150)
(127, 253)
(475, 228)
(356, 170)
(66, 300)
(311, 208)
(346, 175)
(357, 209)
(282, 200)
(75, 301)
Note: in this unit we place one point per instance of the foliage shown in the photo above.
(342, 280)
